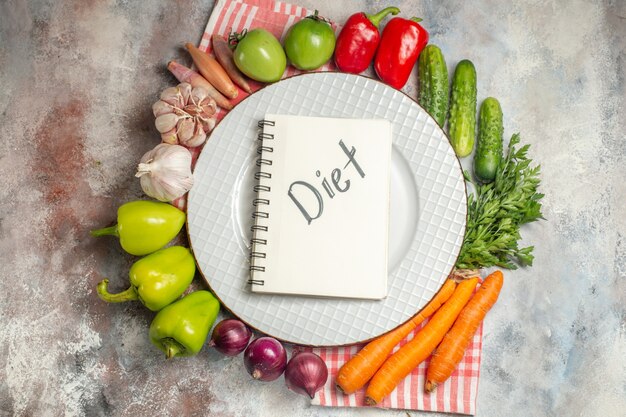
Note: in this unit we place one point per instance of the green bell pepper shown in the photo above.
(157, 279)
(181, 328)
(145, 226)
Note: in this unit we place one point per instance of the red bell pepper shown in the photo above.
(400, 45)
(358, 40)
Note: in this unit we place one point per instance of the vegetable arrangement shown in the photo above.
(506, 197)
(452, 348)
(401, 363)
(181, 326)
(184, 117)
(357, 371)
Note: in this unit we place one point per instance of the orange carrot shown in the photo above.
(401, 363)
(359, 369)
(224, 56)
(452, 348)
(212, 71)
(187, 75)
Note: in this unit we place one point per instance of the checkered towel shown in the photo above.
(458, 394)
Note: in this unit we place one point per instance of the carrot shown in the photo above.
(212, 71)
(401, 363)
(224, 56)
(359, 369)
(187, 75)
(452, 348)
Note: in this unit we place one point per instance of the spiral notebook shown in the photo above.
(321, 211)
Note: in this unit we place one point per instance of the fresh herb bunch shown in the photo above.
(498, 209)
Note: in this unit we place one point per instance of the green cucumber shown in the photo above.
(434, 91)
(489, 146)
(462, 122)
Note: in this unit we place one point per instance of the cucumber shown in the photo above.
(434, 91)
(462, 122)
(489, 146)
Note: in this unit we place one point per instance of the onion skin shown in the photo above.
(306, 373)
(265, 359)
(230, 337)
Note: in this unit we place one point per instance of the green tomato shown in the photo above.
(260, 56)
(310, 43)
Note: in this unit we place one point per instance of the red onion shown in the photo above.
(265, 358)
(230, 337)
(306, 373)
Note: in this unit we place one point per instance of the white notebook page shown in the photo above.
(328, 209)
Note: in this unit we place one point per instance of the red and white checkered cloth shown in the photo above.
(458, 394)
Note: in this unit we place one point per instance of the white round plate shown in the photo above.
(427, 218)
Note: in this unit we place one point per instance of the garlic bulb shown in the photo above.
(184, 115)
(165, 172)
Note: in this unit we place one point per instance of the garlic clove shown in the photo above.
(170, 137)
(199, 94)
(172, 95)
(185, 130)
(209, 103)
(185, 91)
(207, 110)
(208, 124)
(166, 122)
(198, 138)
(161, 107)
(171, 189)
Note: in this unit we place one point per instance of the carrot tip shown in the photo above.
(370, 401)
(430, 387)
(189, 45)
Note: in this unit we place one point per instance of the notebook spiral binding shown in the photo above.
(259, 212)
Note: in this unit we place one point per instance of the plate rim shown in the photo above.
(364, 341)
